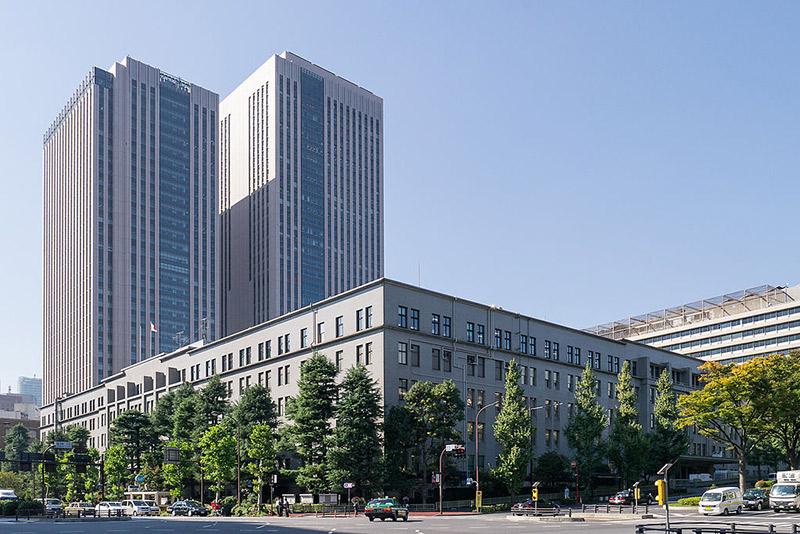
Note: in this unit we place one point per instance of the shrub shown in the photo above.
(227, 505)
(10, 507)
(689, 501)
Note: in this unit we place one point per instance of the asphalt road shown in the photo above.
(486, 524)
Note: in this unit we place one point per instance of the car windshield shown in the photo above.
(114, 504)
(784, 490)
(382, 502)
(139, 503)
(711, 496)
(751, 495)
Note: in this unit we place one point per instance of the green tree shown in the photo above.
(552, 470)
(17, 441)
(13, 481)
(255, 407)
(175, 474)
(117, 473)
(584, 430)
(260, 451)
(512, 428)
(308, 433)
(667, 441)
(435, 411)
(355, 452)
(399, 446)
(132, 431)
(724, 409)
(163, 415)
(626, 444)
(779, 398)
(218, 457)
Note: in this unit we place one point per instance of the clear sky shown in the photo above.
(575, 161)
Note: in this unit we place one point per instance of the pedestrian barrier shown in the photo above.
(543, 512)
(615, 508)
(719, 528)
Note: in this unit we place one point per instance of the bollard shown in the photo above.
(771, 527)
(794, 528)
(595, 508)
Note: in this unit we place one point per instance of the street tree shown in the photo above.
(218, 457)
(626, 444)
(17, 441)
(435, 411)
(174, 474)
(724, 409)
(399, 446)
(512, 428)
(261, 456)
(133, 432)
(780, 400)
(355, 452)
(584, 429)
(163, 415)
(13, 481)
(255, 407)
(117, 472)
(309, 413)
(667, 441)
(552, 469)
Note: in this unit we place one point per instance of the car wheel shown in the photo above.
(394, 517)
(383, 519)
(405, 517)
(174, 513)
(725, 511)
(371, 518)
(739, 510)
(759, 507)
(190, 513)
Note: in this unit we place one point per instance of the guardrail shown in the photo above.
(543, 512)
(719, 528)
(615, 508)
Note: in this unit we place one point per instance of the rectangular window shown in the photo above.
(368, 354)
(532, 347)
(369, 316)
(414, 355)
(616, 364)
(481, 396)
(447, 361)
(280, 377)
(547, 438)
(524, 374)
(402, 353)
(339, 326)
(548, 408)
(261, 351)
(446, 326)
(321, 333)
(597, 360)
(470, 332)
(268, 378)
(610, 363)
(303, 338)
(577, 356)
(241, 357)
(610, 390)
(286, 375)
(498, 399)
(547, 349)
(533, 376)
(498, 370)
(359, 353)
(555, 350)
(471, 430)
(570, 355)
(569, 382)
(470, 398)
(481, 367)
(523, 344)
(436, 323)
(481, 434)
(402, 317)
(498, 338)
(548, 379)
(402, 389)
(286, 342)
(507, 340)
(360, 320)
(470, 365)
(339, 357)
(556, 382)
(414, 325)
(481, 335)
(436, 359)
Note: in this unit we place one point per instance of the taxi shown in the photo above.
(385, 508)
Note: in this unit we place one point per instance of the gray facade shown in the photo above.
(729, 328)
(31, 386)
(130, 224)
(403, 334)
(301, 190)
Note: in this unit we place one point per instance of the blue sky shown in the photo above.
(574, 161)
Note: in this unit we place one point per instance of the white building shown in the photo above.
(730, 328)
(301, 190)
(403, 334)
(130, 224)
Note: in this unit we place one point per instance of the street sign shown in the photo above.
(349, 485)
(139, 479)
(478, 499)
(469, 481)
(63, 444)
(133, 488)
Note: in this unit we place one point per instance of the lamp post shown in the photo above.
(238, 459)
(477, 470)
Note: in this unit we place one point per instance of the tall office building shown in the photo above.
(301, 190)
(734, 327)
(130, 224)
(31, 387)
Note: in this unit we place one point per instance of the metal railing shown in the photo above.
(543, 512)
(719, 528)
(615, 508)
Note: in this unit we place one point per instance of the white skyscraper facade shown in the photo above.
(130, 224)
(301, 190)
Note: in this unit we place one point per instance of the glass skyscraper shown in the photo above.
(130, 224)
(301, 190)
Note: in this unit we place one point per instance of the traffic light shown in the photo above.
(637, 493)
(535, 494)
(459, 451)
(662, 491)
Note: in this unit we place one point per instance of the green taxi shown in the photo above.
(385, 508)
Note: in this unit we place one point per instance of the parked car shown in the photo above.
(8, 495)
(136, 507)
(189, 508)
(627, 497)
(385, 508)
(530, 504)
(52, 505)
(80, 509)
(155, 509)
(756, 499)
(721, 501)
(108, 508)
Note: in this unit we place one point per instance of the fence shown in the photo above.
(719, 528)
(615, 508)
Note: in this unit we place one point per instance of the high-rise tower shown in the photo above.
(301, 190)
(130, 224)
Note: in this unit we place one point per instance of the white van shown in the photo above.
(785, 494)
(721, 501)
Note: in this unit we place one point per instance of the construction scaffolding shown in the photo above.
(712, 309)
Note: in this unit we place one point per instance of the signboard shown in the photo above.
(133, 488)
(478, 499)
(63, 444)
(349, 485)
(172, 455)
(139, 479)
(275, 478)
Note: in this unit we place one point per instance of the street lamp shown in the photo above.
(238, 459)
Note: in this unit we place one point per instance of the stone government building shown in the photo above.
(404, 334)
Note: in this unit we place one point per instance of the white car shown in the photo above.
(135, 507)
(154, 508)
(108, 509)
(721, 501)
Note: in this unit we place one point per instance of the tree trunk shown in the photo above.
(742, 471)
